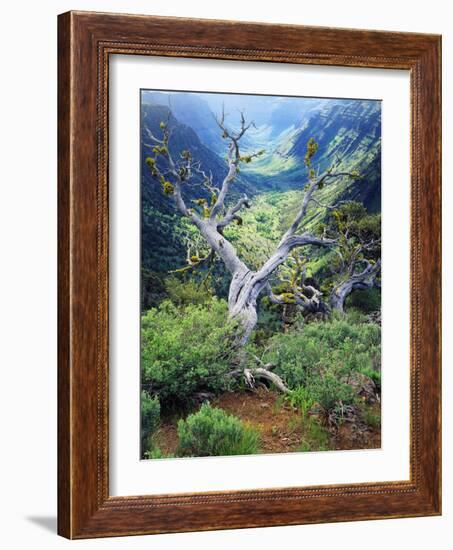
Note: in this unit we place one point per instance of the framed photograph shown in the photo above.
(249, 275)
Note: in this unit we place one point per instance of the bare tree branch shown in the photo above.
(260, 372)
(233, 159)
(231, 213)
(314, 183)
(194, 262)
(307, 296)
(366, 279)
(326, 206)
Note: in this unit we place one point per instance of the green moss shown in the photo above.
(312, 147)
(168, 188)
(288, 298)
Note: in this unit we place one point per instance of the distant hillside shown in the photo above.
(351, 130)
(163, 230)
(191, 110)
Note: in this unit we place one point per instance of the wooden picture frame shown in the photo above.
(85, 41)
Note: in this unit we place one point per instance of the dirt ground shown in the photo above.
(282, 427)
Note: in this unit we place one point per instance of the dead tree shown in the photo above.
(211, 216)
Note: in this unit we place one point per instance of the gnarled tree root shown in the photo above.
(263, 372)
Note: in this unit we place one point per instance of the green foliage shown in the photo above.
(260, 227)
(371, 417)
(168, 188)
(312, 147)
(213, 432)
(150, 417)
(269, 322)
(160, 150)
(246, 159)
(352, 226)
(186, 350)
(301, 398)
(357, 234)
(150, 413)
(374, 374)
(315, 437)
(328, 390)
(288, 298)
(355, 316)
(164, 241)
(155, 452)
(152, 288)
(190, 292)
(365, 300)
(321, 356)
(324, 389)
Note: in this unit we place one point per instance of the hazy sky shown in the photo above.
(258, 108)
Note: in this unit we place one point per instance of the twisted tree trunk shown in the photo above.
(246, 285)
(360, 281)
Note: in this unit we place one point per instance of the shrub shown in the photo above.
(354, 316)
(365, 300)
(150, 417)
(372, 418)
(301, 399)
(184, 293)
(186, 350)
(315, 437)
(374, 374)
(269, 321)
(150, 412)
(325, 389)
(213, 432)
(328, 391)
(338, 346)
(316, 361)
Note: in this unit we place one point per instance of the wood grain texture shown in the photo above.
(86, 40)
(64, 367)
